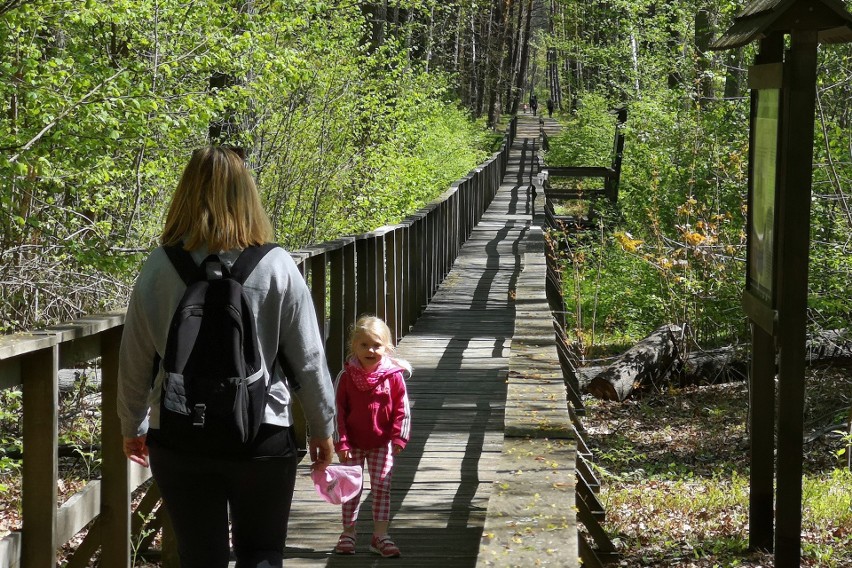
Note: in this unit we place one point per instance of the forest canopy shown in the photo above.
(352, 114)
(355, 114)
(677, 252)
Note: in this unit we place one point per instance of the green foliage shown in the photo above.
(11, 414)
(106, 101)
(611, 298)
(684, 175)
(675, 252)
(585, 139)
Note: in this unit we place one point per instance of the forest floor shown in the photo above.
(674, 470)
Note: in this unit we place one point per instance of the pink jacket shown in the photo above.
(368, 419)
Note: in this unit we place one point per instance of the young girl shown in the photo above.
(373, 423)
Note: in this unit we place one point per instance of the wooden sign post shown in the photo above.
(781, 141)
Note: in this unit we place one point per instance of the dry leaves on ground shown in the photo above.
(675, 467)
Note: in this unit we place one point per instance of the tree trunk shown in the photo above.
(703, 35)
(500, 30)
(650, 359)
(518, 39)
(521, 77)
(733, 73)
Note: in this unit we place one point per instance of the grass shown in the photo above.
(675, 473)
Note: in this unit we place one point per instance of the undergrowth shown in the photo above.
(674, 468)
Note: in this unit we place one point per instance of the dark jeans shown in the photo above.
(200, 491)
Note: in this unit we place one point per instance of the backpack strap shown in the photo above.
(186, 268)
(248, 259)
(190, 272)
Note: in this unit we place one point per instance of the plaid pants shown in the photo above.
(379, 466)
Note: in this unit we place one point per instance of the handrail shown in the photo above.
(392, 271)
(611, 174)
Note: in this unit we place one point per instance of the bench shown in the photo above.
(608, 175)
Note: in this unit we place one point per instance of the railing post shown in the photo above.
(449, 232)
(402, 291)
(41, 457)
(458, 239)
(464, 187)
(115, 486)
(392, 287)
(417, 265)
(380, 274)
(350, 286)
(440, 238)
(334, 348)
(318, 285)
(365, 273)
(406, 282)
(480, 184)
(342, 303)
(429, 254)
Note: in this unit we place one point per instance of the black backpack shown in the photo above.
(214, 391)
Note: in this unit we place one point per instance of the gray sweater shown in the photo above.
(286, 321)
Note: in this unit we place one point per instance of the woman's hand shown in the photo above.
(136, 450)
(344, 456)
(322, 450)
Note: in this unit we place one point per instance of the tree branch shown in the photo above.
(62, 115)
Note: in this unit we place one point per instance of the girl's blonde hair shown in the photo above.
(216, 203)
(374, 327)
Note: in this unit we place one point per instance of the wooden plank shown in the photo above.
(116, 486)
(584, 470)
(78, 511)
(587, 553)
(41, 466)
(10, 550)
(530, 518)
(601, 538)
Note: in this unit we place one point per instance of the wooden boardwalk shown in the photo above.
(460, 350)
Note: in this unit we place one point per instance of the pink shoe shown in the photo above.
(384, 546)
(345, 544)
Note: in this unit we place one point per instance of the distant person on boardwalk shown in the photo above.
(549, 107)
(534, 104)
(373, 425)
(244, 496)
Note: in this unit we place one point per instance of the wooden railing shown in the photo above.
(392, 272)
(609, 176)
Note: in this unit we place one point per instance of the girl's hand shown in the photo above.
(344, 456)
(396, 449)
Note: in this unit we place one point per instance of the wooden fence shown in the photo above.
(392, 272)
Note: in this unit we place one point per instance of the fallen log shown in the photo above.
(829, 344)
(714, 366)
(650, 359)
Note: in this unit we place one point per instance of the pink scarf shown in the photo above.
(365, 380)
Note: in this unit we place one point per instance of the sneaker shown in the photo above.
(384, 546)
(345, 544)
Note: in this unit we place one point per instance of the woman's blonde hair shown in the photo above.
(216, 203)
(374, 327)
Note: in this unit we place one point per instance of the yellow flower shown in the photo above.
(627, 242)
(693, 238)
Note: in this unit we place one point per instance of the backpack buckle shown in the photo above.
(198, 415)
(214, 270)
